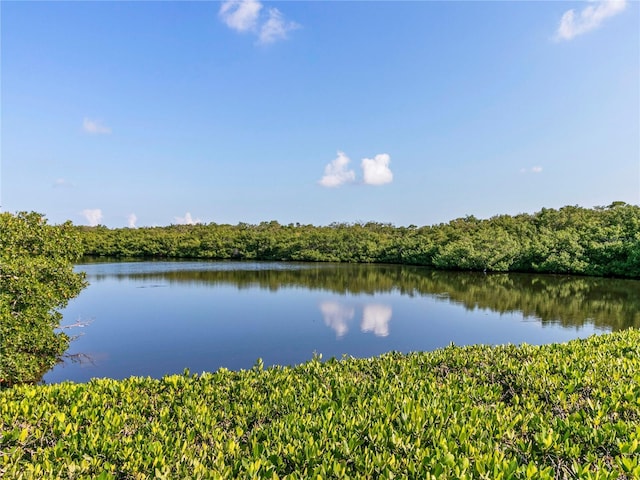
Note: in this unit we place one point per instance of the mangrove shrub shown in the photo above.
(549, 412)
(601, 241)
(36, 280)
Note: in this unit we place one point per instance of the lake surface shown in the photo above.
(157, 318)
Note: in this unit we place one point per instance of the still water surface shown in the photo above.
(157, 318)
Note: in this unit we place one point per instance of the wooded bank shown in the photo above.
(601, 241)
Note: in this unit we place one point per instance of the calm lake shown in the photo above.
(157, 318)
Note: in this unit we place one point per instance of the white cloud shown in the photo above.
(336, 173)
(336, 316)
(131, 220)
(245, 16)
(93, 216)
(240, 15)
(375, 318)
(589, 18)
(276, 27)
(187, 220)
(61, 182)
(376, 171)
(95, 127)
(536, 169)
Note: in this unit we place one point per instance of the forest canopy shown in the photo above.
(601, 241)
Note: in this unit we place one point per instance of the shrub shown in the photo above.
(36, 279)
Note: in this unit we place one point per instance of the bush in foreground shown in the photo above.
(555, 411)
(36, 281)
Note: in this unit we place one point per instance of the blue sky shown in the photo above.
(152, 113)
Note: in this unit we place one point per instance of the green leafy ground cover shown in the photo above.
(555, 411)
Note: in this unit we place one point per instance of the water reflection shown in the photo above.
(375, 318)
(155, 318)
(569, 301)
(337, 317)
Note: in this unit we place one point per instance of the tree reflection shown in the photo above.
(570, 301)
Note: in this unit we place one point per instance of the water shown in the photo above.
(157, 318)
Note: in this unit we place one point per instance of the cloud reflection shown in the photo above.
(375, 318)
(336, 316)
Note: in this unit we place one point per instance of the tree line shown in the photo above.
(600, 241)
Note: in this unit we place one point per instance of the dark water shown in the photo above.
(156, 318)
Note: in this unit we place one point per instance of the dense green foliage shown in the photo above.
(555, 411)
(603, 241)
(36, 279)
